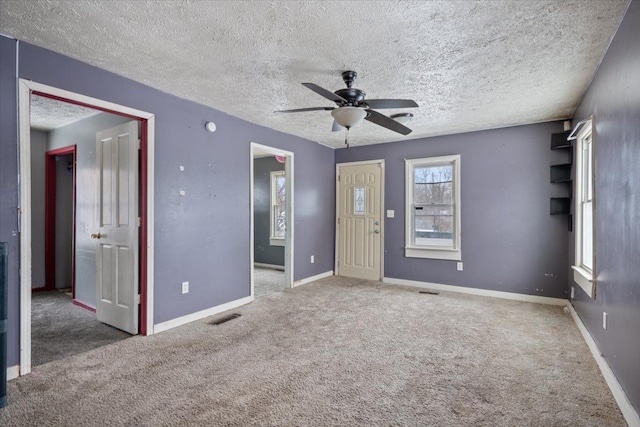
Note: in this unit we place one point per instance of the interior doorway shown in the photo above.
(271, 209)
(64, 273)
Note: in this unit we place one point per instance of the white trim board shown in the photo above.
(179, 321)
(629, 413)
(313, 278)
(13, 372)
(480, 292)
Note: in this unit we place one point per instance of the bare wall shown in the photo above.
(38, 157)
(64, 221)
(614, 99)
(509, 242)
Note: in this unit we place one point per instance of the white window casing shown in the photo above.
(277, 209)
(432, 208)
(584, 211)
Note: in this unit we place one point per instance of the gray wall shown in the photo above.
(64, 221)
(509, 241)
(38, 158)
(262, 249)
(614, 99)
(202, 237)
(82, 134)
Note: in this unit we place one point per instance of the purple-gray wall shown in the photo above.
(614, 99)
(510, 242)
(202, 237)
(263, 251)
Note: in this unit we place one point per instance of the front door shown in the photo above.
(117, 237)
(360, 220)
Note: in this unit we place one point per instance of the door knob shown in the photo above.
(96, 235)
(376, 231)
(376, 223)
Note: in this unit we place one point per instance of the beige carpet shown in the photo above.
(267, 281)
(334, 352)
(60, 329)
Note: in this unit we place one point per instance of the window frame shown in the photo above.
(582, 274)
(273, 239)
(433, 251)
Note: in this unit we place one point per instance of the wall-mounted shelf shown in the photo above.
(561, 174)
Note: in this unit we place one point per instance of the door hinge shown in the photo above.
(338, 178)
(139, 144)
(137, 299)
(138, 221)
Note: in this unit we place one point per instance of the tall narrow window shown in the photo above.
(433, 208)
(278, 198)
(584, 211)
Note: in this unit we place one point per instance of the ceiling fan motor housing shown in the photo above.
(352, 95)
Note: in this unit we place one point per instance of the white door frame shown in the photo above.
(25, 87)
(382, 212)
(289, 231)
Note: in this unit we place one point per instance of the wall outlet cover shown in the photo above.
(185, 287)
(459, 266)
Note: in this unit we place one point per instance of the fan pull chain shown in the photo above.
(346, 137)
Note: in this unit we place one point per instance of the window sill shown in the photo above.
(448, 254)
(585, 280)
(276, 241)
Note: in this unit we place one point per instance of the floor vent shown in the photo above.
(429, 292)
(225, 319)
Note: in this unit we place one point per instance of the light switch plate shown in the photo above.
(391, 213)
(185, 287)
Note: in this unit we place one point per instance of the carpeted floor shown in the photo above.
(267, 281)
(60, 329)
(334, 352)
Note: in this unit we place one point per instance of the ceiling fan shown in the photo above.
(352, 107)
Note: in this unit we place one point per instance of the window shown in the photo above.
(583, 273)
(432, 207)
(278, 218)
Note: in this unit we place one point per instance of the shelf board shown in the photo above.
(559, 140)
(560, 173)
(559, 205)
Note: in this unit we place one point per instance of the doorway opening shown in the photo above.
(62, 179)
(271, 193)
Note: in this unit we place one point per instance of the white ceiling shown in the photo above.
(48, 114)
(470, 65)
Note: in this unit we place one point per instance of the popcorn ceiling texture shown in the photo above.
(470, 65)
(48, 114)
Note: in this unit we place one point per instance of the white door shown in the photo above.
(117, 237)
(360, 220)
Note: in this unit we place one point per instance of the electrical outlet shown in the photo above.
(459, 266)
(185, 287)
(604, 320)
(313, 259)
(573, 293)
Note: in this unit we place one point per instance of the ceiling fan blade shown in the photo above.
(300, 110)
(387, 122)
(324, 92)
(390, 103)
(336, 127)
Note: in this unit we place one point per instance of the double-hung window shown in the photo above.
(277, 217)
(432, 206)
(583, 273)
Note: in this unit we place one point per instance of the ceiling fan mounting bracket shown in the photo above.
(352, 95)
(349, 77)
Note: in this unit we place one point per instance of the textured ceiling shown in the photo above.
(48, 114)
(470, 65)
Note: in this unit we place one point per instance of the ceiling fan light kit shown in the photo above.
(352, 107)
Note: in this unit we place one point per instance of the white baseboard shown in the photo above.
(481, 292)
(271, 266)
(312, 278)
(630, 414)
(13, 372)
(179, 321)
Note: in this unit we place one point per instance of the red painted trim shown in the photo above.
(50, 218)
(40, 289)
(83, 305)
(94, 107)
(142, 314)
